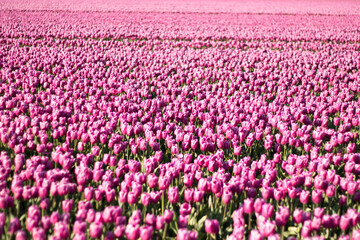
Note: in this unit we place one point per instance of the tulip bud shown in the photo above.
(132, 232)
(249, 205)
(160, 222)
(189, 195)
(21, 235)
(267, 210)
(183, 221)
(38, 234)
(14, 225)
(282, 216)
(298, 216)
(212, 226)
(146, 232)
(173, 194)
(255, 235)
(168, 215)
(316, 196)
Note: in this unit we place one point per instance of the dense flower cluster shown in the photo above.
(170, 127)
(344, 7)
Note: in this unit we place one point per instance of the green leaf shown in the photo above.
(202, 235)
(192, 221)
(201, 222)
(193, 211)
(293, 229)
(211, 204)
(174, 227)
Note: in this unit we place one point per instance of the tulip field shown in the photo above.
(179, 125)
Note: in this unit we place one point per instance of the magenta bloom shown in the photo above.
(146, 232)
(20, 235)
(316, 196)
(95, 230)
(164, 183)
(212, 226)
(61, 230)
(267, 210)
(38, 234)
(185, 209)
(168, 215)
(132, 232)
(14, 225)
(282, 216)
(183, 221)
(160, 221)
(173, 194)
(67, 205)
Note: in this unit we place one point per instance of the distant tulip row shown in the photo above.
(187, 7)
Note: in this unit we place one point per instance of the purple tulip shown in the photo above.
(38, 234)
(249, 205)
(67, 205)
(160, 221)
(173, 194)
(282, 216)
(183, 221)
(185, 209)
(212, 226)
(132, 232)
(168, 215)
(183, 234)
(14, 225)
(146, 232)
(95, 230)
(255, 235)
(20, 235)
(316, 196)
(79, 227)
(267, 210)
(150, 220)
(61, 230)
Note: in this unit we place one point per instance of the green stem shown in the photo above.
(164, 231)
(7, 215)
(144, 213)
(163, 202)
(225, 212)
(17, 203)
(249, 222)
(291, 205)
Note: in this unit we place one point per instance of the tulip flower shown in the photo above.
(212, 226)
